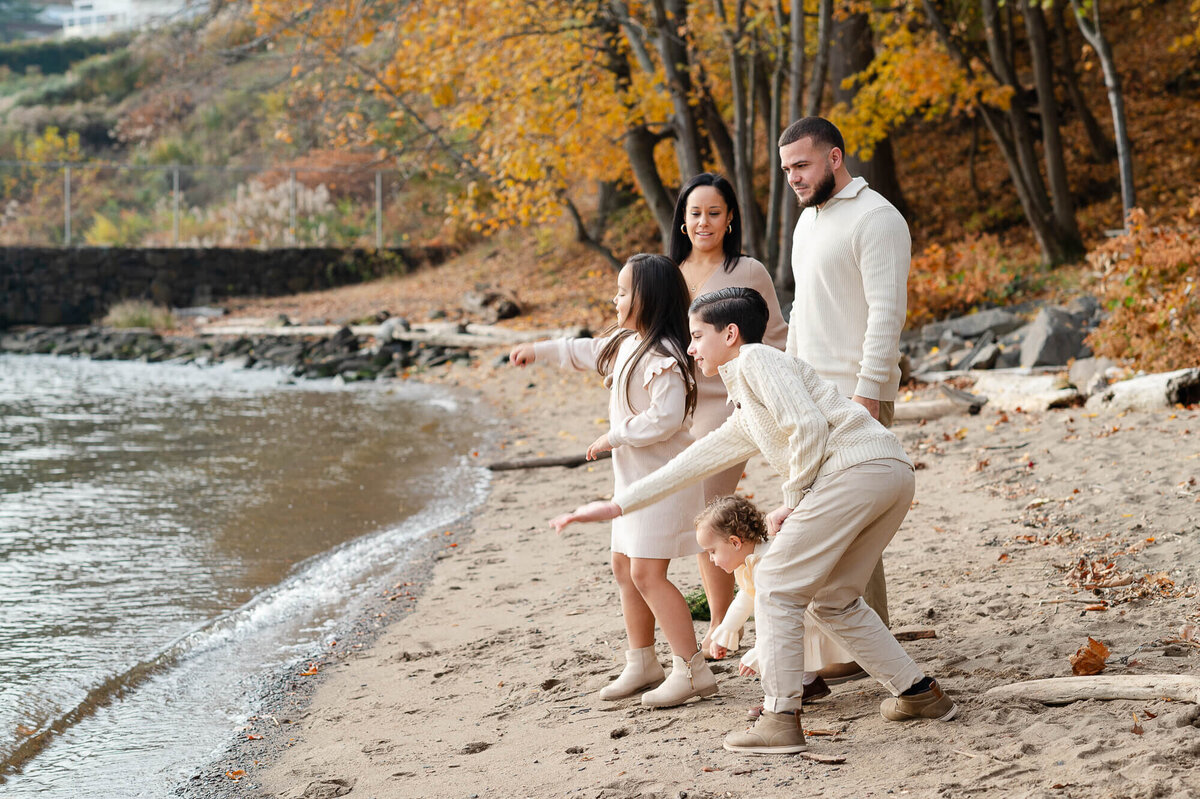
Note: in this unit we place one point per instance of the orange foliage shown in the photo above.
(951, 280)
(1150, 284)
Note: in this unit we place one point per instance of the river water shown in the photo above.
(169, 533)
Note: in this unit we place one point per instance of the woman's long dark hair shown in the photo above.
(658, 305)
(681, 245)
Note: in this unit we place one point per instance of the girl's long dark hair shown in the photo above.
(681, 245)
(658, 306)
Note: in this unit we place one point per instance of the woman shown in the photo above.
(706, 242)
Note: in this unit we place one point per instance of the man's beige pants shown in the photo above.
(820, 562)
(821, 651)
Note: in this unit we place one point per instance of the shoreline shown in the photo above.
(485, 685)
(488, 686)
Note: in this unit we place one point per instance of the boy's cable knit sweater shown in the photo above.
(851, 258)
(799, 422)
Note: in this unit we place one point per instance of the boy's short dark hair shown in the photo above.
(819, 129)
(734, 515)
(735, 305)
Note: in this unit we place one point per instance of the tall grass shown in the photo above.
(138, 313)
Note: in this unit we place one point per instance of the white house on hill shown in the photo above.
(89, 18)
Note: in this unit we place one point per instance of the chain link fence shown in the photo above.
(73, 204)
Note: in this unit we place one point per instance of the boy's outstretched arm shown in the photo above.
(599, 511)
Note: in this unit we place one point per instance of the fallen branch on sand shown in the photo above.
(569, 461)
(1065, 690)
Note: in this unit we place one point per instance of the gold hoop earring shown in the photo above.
(683, 228)
(730, 228)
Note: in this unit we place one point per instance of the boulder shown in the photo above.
(1053, 339)
(997, 320)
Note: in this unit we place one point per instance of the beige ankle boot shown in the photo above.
(688, 678)
(642, 670)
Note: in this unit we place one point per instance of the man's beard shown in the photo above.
(821, 192)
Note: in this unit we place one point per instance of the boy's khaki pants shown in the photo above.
(821, 561)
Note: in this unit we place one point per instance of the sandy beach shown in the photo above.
(488, 686)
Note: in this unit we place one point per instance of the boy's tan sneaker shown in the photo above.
(931, 704)
(772, 734)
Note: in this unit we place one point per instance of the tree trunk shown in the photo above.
(639, 147)
(1011, 129)
(1052, 145)
(853, 51)
(584, 236)
(1103, 149)
(670, 18)
(1116, 101)
(774, 244)
(816, 88)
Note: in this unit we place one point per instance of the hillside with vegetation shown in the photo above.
(543, 140)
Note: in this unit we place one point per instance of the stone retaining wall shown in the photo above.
(48, 286)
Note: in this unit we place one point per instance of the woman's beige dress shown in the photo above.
(643, 439)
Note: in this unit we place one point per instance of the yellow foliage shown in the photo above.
(912, 74)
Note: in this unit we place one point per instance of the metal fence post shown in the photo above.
(175, 206)
(67, 206)
(292, 207)
(378, 210)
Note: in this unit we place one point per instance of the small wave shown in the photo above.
(320, 585)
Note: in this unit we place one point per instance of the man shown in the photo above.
(850, 256)
(847, 485)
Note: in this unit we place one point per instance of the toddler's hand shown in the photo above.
(522, 355)
(599, 445)
(746, 671)
(776, 518)
(591, 512)
(718, 652)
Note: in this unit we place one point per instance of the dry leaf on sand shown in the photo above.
(1089, 659)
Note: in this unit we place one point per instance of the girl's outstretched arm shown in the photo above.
(599, 511)
(522, 355)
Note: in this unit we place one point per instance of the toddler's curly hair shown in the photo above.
(734, 515)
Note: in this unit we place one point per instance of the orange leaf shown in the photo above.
(1089, 659)
(1137, 725)
(236, 774)
(312, 669)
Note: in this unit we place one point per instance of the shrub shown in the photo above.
(138, 313)
(951, 280)
(1150, 283)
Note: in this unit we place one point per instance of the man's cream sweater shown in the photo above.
(850, 258)
(798, 421)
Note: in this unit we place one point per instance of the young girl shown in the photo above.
(733, 534)
(645, 364)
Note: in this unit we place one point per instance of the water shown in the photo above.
(169, 532)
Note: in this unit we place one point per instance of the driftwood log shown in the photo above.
(953, 400)
(441, 335)
(1065, 690)
(569, 461)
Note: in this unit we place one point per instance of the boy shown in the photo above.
(847, 487)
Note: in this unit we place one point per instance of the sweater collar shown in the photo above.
(850, 191)
(730, 370)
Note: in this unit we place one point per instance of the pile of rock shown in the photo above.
(343, 354)
(1002, 338)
